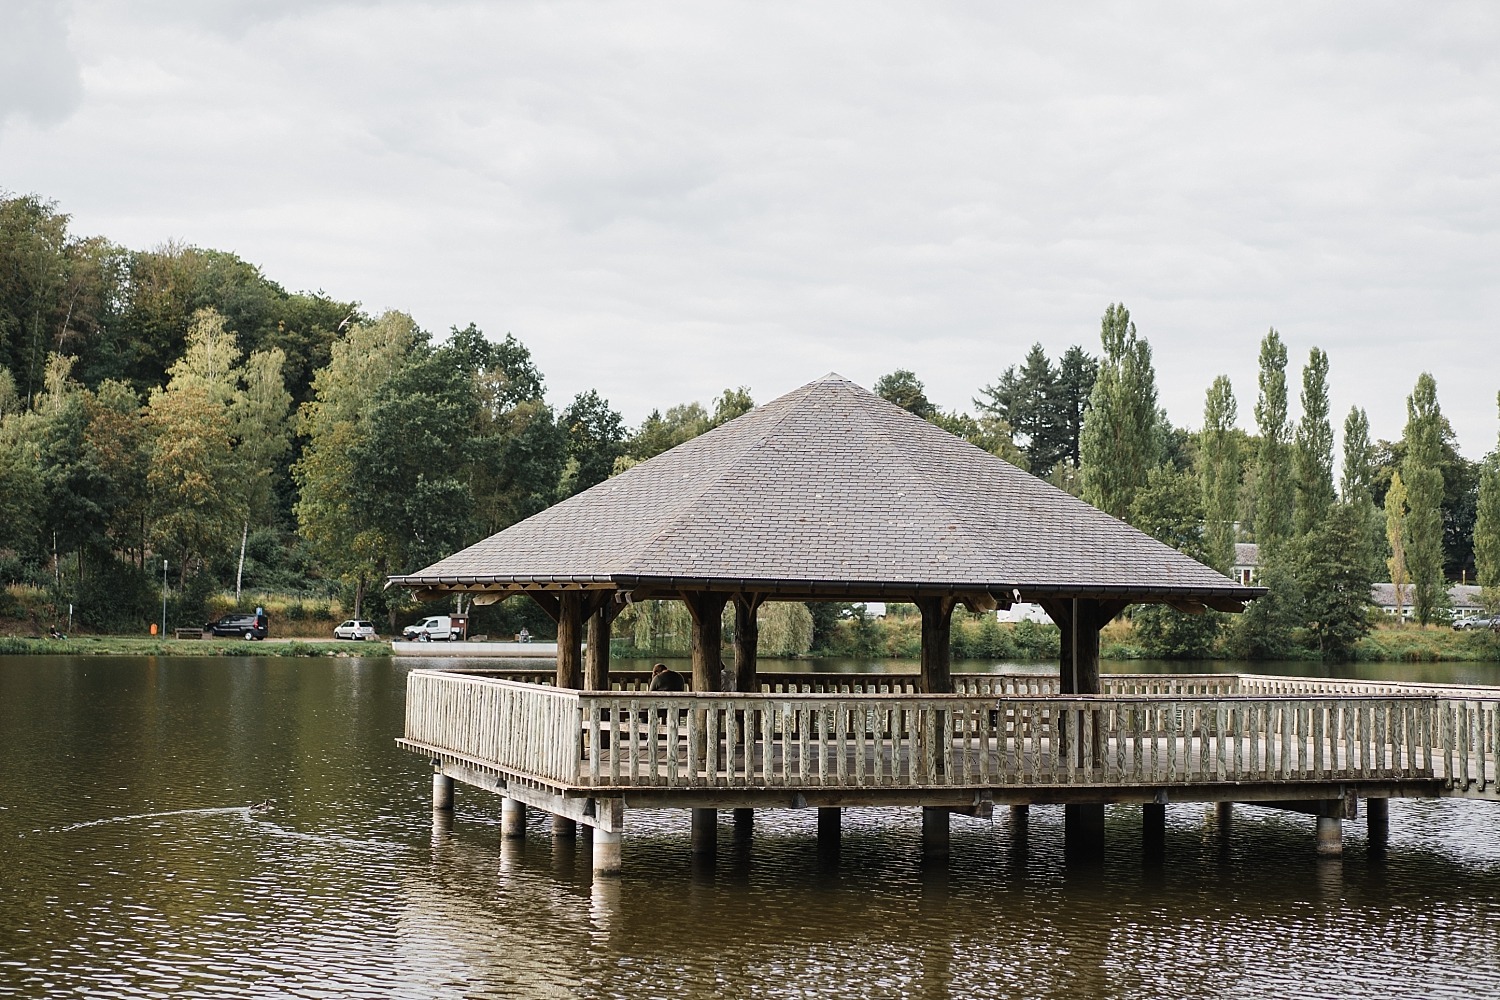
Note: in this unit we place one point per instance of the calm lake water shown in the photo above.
(131, 867)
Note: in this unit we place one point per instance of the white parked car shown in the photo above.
(447, 628)
(355, 629)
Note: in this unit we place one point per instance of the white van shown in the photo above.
(437, 628)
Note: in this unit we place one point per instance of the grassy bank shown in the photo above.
(119, 645)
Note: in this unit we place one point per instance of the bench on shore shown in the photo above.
(189, 633)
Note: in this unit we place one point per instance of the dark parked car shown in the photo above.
(244, 626)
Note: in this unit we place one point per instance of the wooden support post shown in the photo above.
(570, 639)
(1020, 818)
(512, 818)
(1083, 831)
(707, 610)
(744, 825)
(1224, 817)
(937, 631)
(1378, 822)
(1154, 830)
(606, 852)
(705, 831)
(1331, 829)
(934, 832)
(442, 792)
(564, 828)
(830, 827)
(596, 665)
(746, 641)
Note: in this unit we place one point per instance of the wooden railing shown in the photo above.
(896, 739)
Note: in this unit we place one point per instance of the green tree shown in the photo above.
(1219, 474)
(1335, 577)
(1121, 439)
(1268, 628)
(732, 403)
(1487, 531)
(1313, 451)
(1026, 399)
(1273, 466)
(1422, 531)
(596, 437)
(1169, 508)
(1076, 373)
(986, 433)
(905, 390)
(1395, 534)
(1357, 487)
(333, 423)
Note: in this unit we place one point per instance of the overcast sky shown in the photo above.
(663, 200)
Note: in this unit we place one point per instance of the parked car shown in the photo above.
(438, 627)
(1467, 624)
(244, 626)
(354, 628)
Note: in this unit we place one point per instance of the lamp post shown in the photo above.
(164, 598)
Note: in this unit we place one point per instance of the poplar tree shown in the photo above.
(1357, 486)
(1121, 442)
(1395, 521)
(1487, 531)
(1219, 473)
(1422, 530)
(1313, 454)
(1273, 472)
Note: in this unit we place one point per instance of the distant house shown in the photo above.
(1246, 563)
(1465, 600)
(1024, 612)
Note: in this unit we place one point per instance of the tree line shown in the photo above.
(175, 405)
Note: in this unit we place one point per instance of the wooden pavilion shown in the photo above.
(827, 493)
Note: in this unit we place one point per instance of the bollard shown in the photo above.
(512, 819)
(606, 852)
(442, 791)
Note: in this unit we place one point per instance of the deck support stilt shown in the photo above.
(830, 827)
(1331, 829)
(1154, 829)
(564, 828)
(512, 819)
(1020, 817)
(705, 831)
(606, 852)
(1224, 817)
(442, 791)
(1083, 831)
(744, 825)
(1378, 822)
(934, 832)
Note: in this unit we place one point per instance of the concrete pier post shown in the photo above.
(606, 852)
(564, 828)
(934, 832)
(442, 791)
(1154, 829)
(1378, 822)
(1083, 831)
(512, 819)
(744, 825)
(705, 831)
(1330, 836)
(830, 828)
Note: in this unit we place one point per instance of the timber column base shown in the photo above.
(705, 831)
(744, 825)
(1330, 836)
(1083, 831)
(1154, 830)
(606, 852)
(442, 791)
(830, 828)
(934, 832)
(512, 819)
(1378, 822)
(564, 828)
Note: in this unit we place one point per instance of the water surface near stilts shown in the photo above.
(131, 866)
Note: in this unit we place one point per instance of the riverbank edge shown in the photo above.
(1384, 646)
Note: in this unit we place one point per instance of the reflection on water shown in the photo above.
(131, 866)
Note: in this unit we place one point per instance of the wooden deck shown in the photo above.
(868, 739)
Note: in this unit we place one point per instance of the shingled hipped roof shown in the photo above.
(830, 491)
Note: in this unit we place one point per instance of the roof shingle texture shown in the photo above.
(830, 483)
